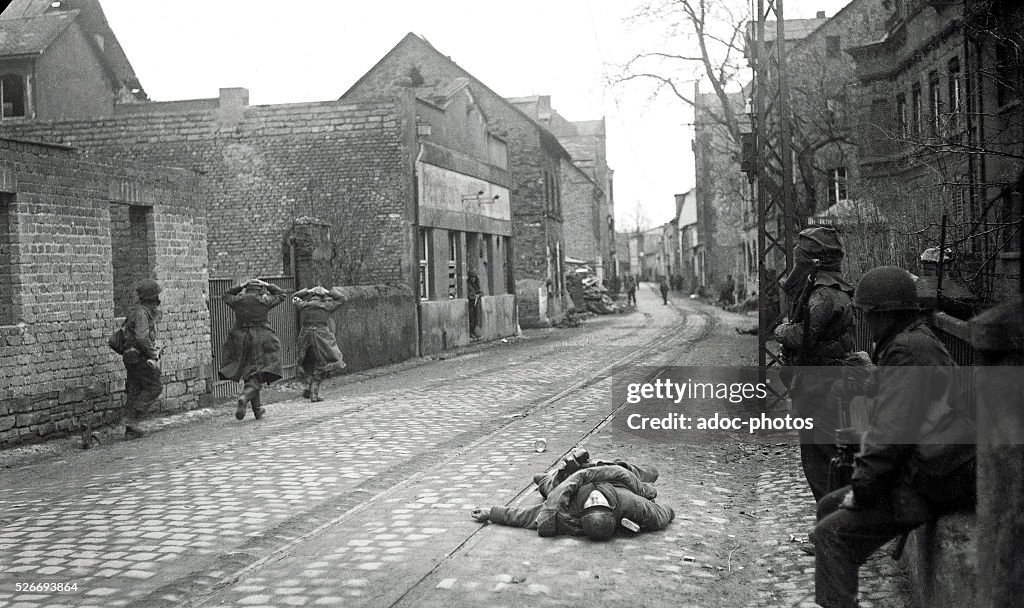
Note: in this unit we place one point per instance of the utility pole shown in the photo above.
(774, 191)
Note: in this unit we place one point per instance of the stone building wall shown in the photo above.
(263, 167)
(63, 282)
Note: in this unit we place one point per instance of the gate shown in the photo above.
(283, 321)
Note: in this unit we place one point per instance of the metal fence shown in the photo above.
(283, 321)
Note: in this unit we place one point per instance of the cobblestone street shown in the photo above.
(364, 499)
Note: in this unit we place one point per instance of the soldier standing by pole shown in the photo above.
(819, 333)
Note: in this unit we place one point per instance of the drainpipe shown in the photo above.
(416, 237)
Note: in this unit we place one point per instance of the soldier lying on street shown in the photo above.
(591, 502)
(578, 459)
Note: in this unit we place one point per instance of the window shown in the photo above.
(934, 104)
(424, 253)
(498, 152)
(838, 189)
(453, 265)
(7, 282)
(12, 96)
(915, 110)
(1008, 73)
(954, 95)
(902, 127)
(832, 46)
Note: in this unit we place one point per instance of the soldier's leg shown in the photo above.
(250, 390)
(314, 387)
(844, 540)
(257, 405)
(129, 415)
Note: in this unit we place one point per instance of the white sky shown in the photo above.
(312, 50)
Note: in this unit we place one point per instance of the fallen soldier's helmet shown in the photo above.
(598, 521)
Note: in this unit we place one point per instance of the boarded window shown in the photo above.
(6, 259)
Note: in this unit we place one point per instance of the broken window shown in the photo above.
(131, 252)
(453, 265)
(424, 247)
(916, 110)
(12, 96)
(954, 95)
(934, 103)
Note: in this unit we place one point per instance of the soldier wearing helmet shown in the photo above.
(821, 307)
(252, 351)
(142, 385)
(917, 454)
(592, 502)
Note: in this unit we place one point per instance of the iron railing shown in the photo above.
(283, 320)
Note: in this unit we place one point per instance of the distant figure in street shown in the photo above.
(630, 287)
(663, 286)
(475, 296)
(252, 350)
(591, 502)
(317, 352)
(142, 384)
(727, 296)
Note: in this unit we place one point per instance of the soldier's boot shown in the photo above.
(314, 392)
(247, 395)
(257, 406)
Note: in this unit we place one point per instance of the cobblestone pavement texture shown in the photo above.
(364, 499)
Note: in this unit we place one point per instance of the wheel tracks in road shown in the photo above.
(399, 477)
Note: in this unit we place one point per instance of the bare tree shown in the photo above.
(712, 31)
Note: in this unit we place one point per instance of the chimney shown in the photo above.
(234, 98)
(820, 15)
(231, 106)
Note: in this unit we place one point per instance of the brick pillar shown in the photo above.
(998, 336)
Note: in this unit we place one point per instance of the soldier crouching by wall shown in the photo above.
(252, 350)
(142, 385)
(318, 354)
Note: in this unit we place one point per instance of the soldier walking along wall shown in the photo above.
(75, 236)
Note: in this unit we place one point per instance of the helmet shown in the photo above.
(599, 523)
(886, 288)
(822, 244)
(147, 289)
(598, 520)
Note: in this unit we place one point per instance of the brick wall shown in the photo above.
(581, 213)
(59, 212)
(262, 167)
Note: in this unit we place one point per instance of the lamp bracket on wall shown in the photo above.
(480, 198)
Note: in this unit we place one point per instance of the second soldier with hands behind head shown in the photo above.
(318, 354)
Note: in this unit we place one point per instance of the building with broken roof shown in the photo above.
(536, 157)
(60, 60)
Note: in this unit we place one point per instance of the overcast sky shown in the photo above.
(312, 50)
